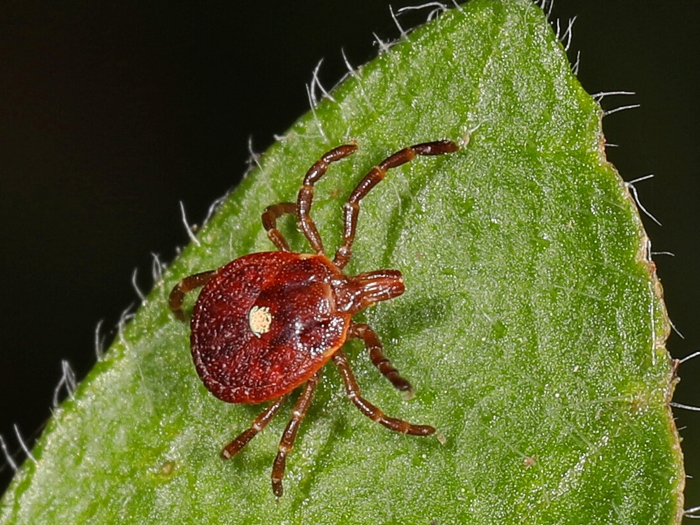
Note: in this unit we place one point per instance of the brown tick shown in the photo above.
(267, 322)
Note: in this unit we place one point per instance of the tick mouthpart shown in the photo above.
(354, 294)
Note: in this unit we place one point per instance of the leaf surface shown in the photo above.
(532, 327)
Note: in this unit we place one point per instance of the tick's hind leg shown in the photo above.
(364, 332)
(259, 423)
(352, 390)
(177, 295)
(290, 434)
(269, 220)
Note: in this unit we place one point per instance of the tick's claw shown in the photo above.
(409, 394)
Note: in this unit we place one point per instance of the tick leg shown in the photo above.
(259, 423)
(187, 285)
(376, 175)
(269, 220)
(290, 434)
(306, 193)
(364, 332)
(352, 390)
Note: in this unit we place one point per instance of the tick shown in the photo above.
(266, 323)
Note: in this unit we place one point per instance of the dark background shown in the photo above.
(112, 113)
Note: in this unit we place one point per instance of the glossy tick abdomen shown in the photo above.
(265, 323)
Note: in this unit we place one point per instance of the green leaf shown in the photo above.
(532, 326)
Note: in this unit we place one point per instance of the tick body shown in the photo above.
(266, 323)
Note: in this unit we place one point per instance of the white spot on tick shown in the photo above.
(259, 319)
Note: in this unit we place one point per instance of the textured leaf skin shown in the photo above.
(532, 327)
